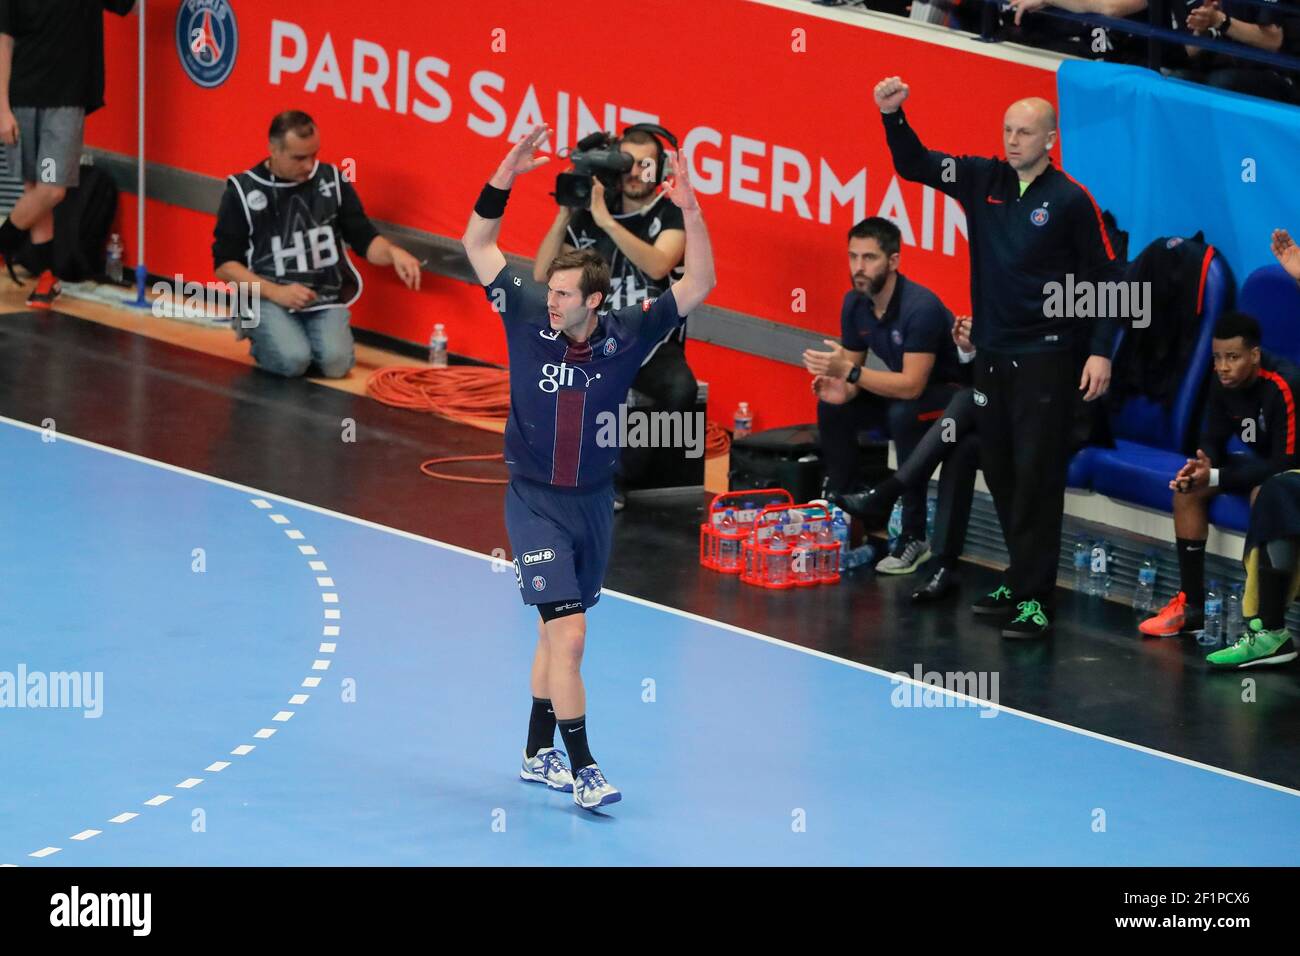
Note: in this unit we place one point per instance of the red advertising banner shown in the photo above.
(418, 102)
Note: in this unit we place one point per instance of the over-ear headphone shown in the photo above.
(659, 134)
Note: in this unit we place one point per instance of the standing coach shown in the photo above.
(1029, 224)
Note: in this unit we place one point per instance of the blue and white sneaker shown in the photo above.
(591, 790)
(547, 768)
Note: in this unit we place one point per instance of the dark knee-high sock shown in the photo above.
(574, 734)
(11, 237)
(42, 256)
(1191, 569)
(1273, 583)
(541, 727)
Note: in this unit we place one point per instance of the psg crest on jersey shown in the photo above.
(610, 346)
(1039, 216)
(207, 40)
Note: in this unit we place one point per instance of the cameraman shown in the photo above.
(643, 238)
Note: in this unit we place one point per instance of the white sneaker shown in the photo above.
(908, 555)
(592, 790)
(547, 768)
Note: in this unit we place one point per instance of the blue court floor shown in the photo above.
(285, 686)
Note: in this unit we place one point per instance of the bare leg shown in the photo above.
(541, 664)
(1192, 513)
(35, 211)
(566, 637)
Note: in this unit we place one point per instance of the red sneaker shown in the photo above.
(1173, 619)
(47, 290)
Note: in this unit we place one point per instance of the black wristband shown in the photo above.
(491, 202)
(854, 374)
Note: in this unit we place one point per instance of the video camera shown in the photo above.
(598, 156)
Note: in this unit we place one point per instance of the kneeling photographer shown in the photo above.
(612, 202)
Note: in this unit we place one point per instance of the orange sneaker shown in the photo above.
(1173, 619)
(47, 290)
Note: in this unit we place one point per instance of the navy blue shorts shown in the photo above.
(560, 538)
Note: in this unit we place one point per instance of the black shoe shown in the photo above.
(1193, 621)
(996, 602)
(1030, 622)
(941, 584)
(872, 508)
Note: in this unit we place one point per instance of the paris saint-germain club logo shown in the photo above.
(207, 40)
(539, 583)
(610, 346)
(1039, 216)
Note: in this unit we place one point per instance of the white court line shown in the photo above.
(686, 615)
(189, 783)
(317, 565)
(279, 519)
(216, 767)
(86, 834)
(243, 749)
(331, 630)
(283, 715)
(311, 682)
(297, 700)
(48, 851)
(124, 818)
(327, 648)
(325, 582)
(158, 801)
(264, 733)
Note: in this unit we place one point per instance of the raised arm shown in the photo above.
(480, 239)
(699, 279)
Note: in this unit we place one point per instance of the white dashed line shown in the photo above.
(189, 783)
(333, 614)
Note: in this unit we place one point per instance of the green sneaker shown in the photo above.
(997, 601)
(1030, 622)
(1255, 647)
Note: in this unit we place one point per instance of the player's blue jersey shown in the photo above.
(557, 388)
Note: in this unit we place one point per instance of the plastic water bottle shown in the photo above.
(931, 509)
(1213, 633)
(840, 528)
(1232, 617)
(1099, 569)
(804, 563)
(438, 346)
(825, 556)
(862, 554)
(895, 530)
(727, 547)
(1082, 561)
(743, 422)
(778, 563)
(1144, 594)
(113, 264)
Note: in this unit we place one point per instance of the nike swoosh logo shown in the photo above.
(996, 202)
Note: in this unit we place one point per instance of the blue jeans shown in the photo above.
(287, 343)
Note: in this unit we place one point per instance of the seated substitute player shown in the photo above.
(282, 225)
(910, 330)
(1272, 560)
(1252, 395)
(569, 363)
